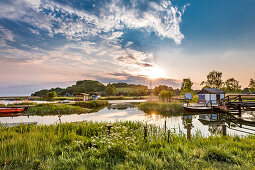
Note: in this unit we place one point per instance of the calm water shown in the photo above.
(207, 124)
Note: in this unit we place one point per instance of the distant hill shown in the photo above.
(90, 86)
(85, 86)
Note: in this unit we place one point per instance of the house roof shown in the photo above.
(211, 91)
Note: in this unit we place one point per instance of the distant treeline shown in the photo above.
(91, 86)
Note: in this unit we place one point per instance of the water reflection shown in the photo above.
(206, 124)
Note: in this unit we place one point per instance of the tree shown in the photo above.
(110, 90)
(213, 80)
(166, 95)
(51, 95)
(232, 85)
(159, 88)
(186, 85)
(252, 85)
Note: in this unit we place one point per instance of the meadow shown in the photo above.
(88, 145)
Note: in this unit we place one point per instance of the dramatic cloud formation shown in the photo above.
(91, 38)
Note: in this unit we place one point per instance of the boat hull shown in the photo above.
(198, 109)
(11, 111)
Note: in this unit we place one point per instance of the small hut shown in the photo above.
(211, 94)
(82, 97)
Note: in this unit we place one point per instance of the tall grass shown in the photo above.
(170, 109)
(88, 145)
(92, 104)
(55, 109)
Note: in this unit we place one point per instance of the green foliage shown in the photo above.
(110, 90)
(166, 95)
(214, 80)
(85, 86)
(186, 85)
(51, 95)
(232, 85)
(252, 85)
(169, 109)
(87, 145)
(159, 88)
(55, 109)
(92, 104)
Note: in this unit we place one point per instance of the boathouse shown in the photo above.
(82, 97)
(211, 94)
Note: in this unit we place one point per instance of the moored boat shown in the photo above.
(11, 111)
(197, 109)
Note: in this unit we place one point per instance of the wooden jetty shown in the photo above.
(235, 104)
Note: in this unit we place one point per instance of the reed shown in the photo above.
(88, 145)
(91, 104)
(169, 109)
(55, 109)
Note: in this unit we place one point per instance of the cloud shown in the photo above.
(136, 79)
(61, 36)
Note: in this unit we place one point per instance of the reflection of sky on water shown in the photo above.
(176, 124)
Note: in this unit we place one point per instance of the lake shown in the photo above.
(206, 124)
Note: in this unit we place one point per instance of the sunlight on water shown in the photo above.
(206, 124)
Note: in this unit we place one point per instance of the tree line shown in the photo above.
(213, 80)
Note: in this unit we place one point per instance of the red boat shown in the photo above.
(11, 111)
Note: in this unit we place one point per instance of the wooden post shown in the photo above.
(59, 118)
(188, 131)
(239, 110)
(165, 126)
(240, 98)
(145, 132)
(168, 136)
(224, 130)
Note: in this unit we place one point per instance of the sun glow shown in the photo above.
(155, 72)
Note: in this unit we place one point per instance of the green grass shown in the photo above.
(123, 98)
(55, 109)
(169, 109)
(91, 104)
(88, 145)
(23, 104)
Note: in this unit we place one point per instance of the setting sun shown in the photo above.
(155, 72)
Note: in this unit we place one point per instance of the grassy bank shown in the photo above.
(123, 98)
(170, 109)
(55, 109)
(87, 145)
(92, 104)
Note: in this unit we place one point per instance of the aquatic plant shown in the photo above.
(91, 104)
(169, 109)
(55, 109)
(87, 145)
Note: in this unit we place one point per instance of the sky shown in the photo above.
(46, 43)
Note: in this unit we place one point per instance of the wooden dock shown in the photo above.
(236, 104)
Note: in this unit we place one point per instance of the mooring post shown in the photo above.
(145, 132)
(168, 136)
(224, 130)
(59, 118)
(165, 126)
(188, 131)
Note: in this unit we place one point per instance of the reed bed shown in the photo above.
(168, 109)
(88, 145)
(55, 109)
(91, 104)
